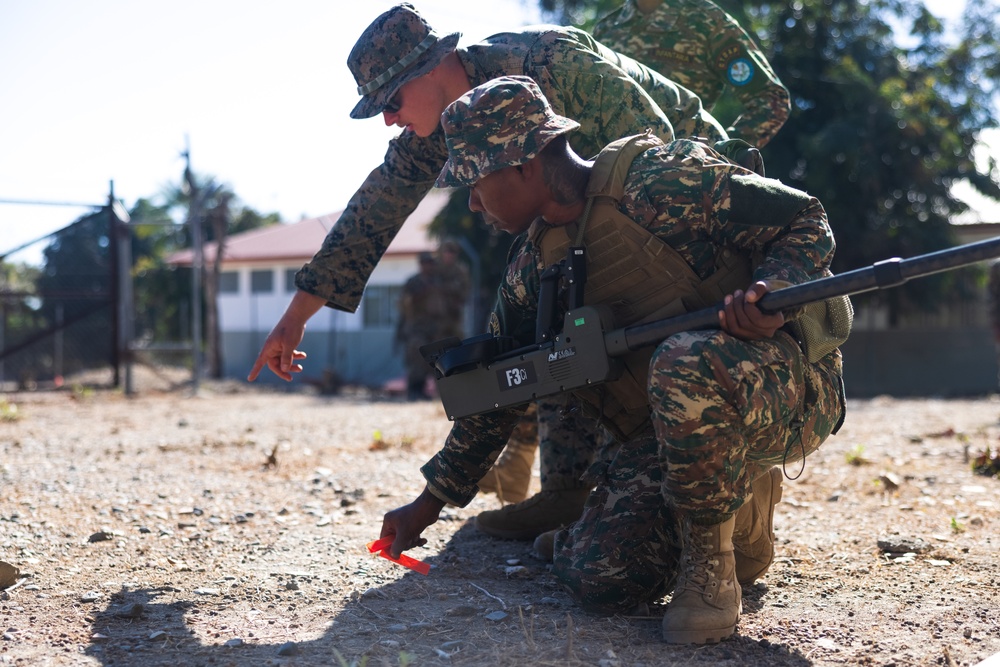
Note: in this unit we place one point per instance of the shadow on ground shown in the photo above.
(453, 617)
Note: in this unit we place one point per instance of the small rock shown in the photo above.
(373, 593)
(288, 649)
(100, 536)
(896, 544)
(890, 481)
(234, 642)
(496, 616)
(517, 571)
(390, 644)
(8, 574)
(462, 610)
(134, 610)
(206, 591)
(397, 627)
(159, 634)
(91, 596)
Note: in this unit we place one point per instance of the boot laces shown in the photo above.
(698, 575)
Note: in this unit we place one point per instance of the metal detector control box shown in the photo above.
(576, 358)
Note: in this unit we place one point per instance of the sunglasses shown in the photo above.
(393, 105)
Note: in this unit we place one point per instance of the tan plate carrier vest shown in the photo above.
(635, 274)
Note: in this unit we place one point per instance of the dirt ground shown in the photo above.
(229, 528)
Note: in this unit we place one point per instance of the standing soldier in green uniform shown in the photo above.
(455, 286)
(701, 47)
(695, 419)
(409, 73)
(422, 310)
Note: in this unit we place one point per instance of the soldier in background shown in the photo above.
(701, 47)
(422, 309)
(453, 278)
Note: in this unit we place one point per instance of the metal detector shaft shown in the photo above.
(881, 275)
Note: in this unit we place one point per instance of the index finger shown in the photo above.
(257, 367)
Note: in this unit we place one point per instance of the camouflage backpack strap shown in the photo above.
(607, 179)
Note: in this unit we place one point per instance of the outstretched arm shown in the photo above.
(279, 351)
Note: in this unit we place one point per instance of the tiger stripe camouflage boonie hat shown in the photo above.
(503, 123)
(397, 47)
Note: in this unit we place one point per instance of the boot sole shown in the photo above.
(697, 636)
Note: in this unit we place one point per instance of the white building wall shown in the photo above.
(249, 312)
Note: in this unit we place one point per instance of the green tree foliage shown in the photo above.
(19, 314)
(167, 288)
(886, 110)
(161, 291)
(75, 291)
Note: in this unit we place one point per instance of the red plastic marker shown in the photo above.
(383, 543)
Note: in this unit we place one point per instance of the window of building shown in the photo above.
(380, 306)
(229, 282)
(262, 281)
(290, 280)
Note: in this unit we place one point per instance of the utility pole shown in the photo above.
(198, 262)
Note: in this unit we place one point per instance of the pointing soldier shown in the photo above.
(408, 73)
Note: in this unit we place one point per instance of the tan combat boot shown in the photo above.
(510, 476)
(753, 537)
(544, 545)
(707, 599)
(527, 520)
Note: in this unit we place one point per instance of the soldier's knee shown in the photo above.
(596, 592)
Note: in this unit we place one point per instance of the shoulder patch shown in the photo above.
(740, 72)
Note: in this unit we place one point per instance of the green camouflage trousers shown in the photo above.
(568, 443)
(724, 412)
(567, 440)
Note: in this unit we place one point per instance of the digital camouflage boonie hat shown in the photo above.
(503, 123)
(398, 46)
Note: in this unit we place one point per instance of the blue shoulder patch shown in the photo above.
(740, 72)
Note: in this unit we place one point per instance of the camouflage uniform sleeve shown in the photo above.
(470, 449)
(691, 197)
(340, 269)
(737, 62)
(611, 95)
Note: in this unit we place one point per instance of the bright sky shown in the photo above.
(107, 90)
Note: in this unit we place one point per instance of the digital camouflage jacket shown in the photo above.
(611, 97)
